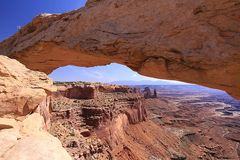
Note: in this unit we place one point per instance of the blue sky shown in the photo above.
(108, 73)
(14, 13)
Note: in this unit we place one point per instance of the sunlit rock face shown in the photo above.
(22, 91)
(25, 114)
(192, 41)
(27, 139)
(95, 126)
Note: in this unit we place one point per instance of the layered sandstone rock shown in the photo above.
(80, 122)
(98, 102)
(192, 41)
(75, 91)
(21, 90)
(27, 140)
(23, 134)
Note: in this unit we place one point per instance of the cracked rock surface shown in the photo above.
(27, 140)
(22, 90)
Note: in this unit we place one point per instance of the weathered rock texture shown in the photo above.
(73, 91)
(23, 134)
(113, 124)
(27, 140)
(79, 122)
(189, 40)
(22, 90)
(107, 103)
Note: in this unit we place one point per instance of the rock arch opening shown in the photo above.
(113, 73)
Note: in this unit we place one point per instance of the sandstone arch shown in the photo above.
(189, 40)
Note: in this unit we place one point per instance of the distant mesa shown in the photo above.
(149, 82)
(148, 93)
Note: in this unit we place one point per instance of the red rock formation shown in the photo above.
(82, 91)
(21, 90)
(155, 93)
(106, 103)
(192, 41)
(23, 134)
(148, 93)
(136, 113)
(112, 109)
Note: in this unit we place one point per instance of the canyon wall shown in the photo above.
(25, 114)
(21, 90)
(191, 41)
(94, 128)
(103, 103)
(114, 125)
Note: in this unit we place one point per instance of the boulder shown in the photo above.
(41, 147)
(28, 140)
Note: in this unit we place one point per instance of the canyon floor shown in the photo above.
(192, 114)
(111, 122)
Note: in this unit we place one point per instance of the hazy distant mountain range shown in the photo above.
(148, 82)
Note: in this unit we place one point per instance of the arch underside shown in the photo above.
(191, 41)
